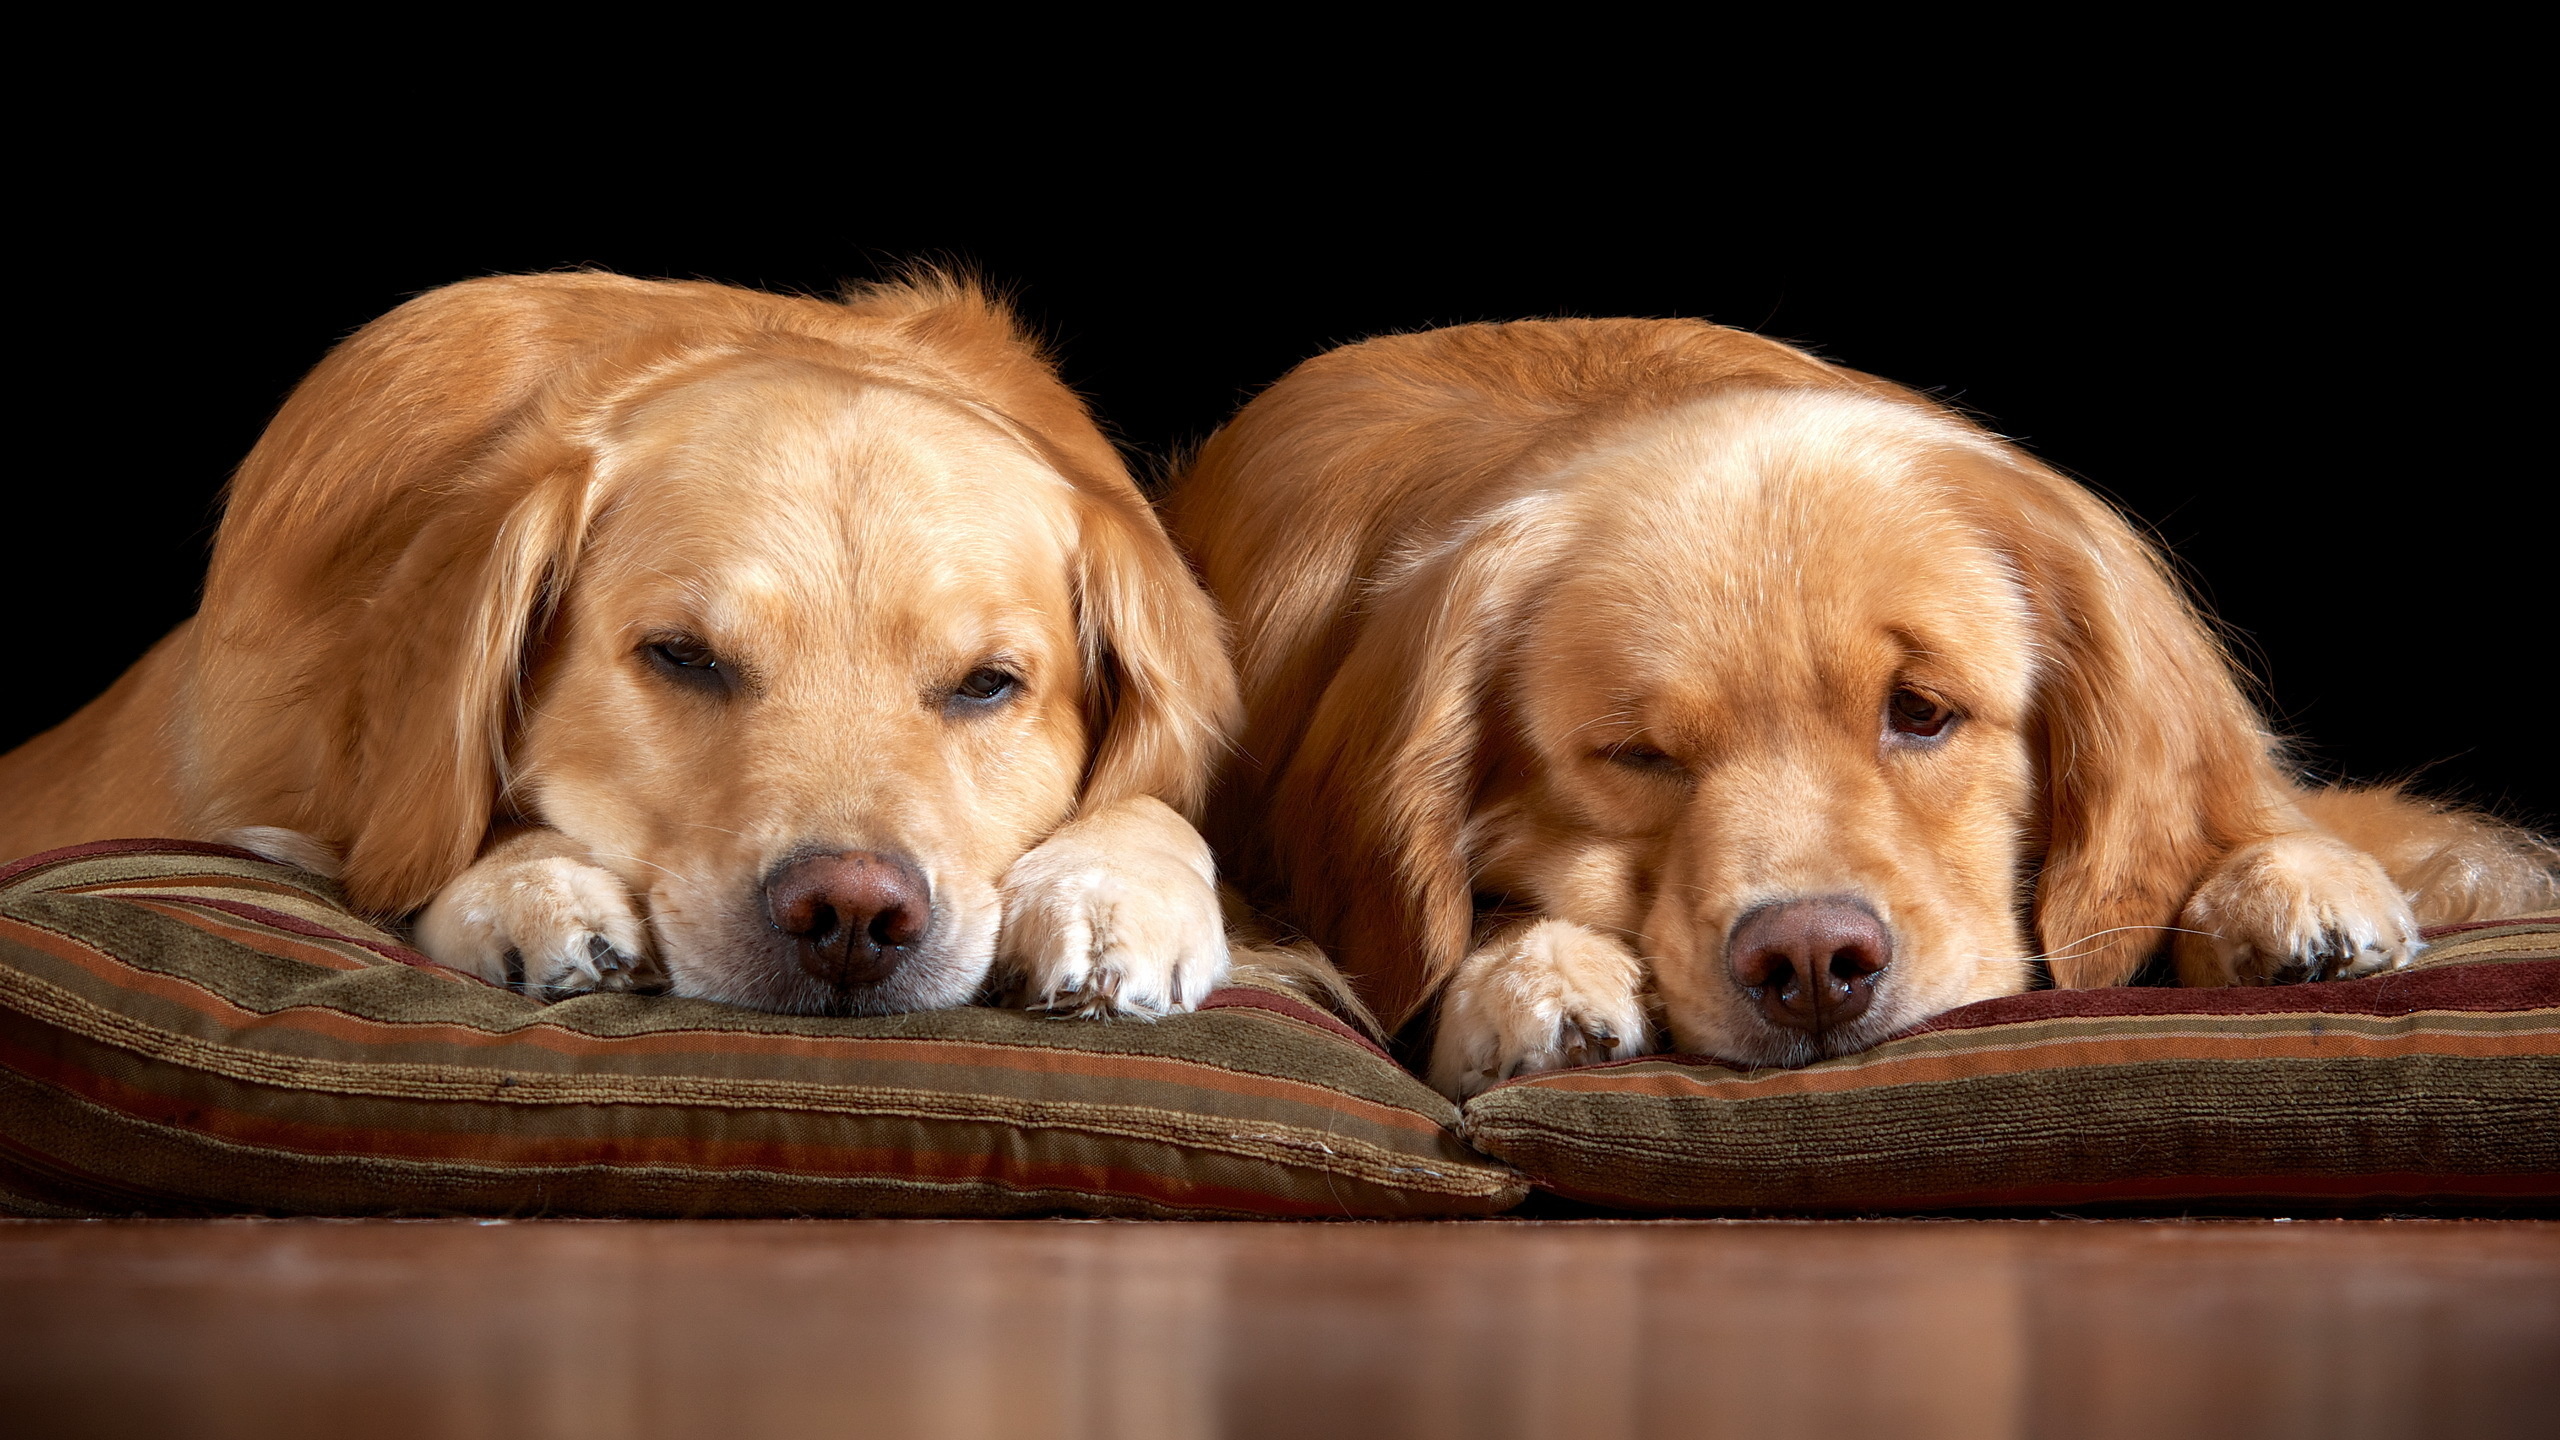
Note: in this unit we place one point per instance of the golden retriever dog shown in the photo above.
(1620, 681)
(811, 656)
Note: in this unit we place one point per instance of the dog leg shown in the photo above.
(1116, 914)
(1540, 995)
(2297, 907)
(534, 914)
(2453, 864)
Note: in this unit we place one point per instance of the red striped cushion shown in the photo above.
(189, 1029)
(2437, 1083)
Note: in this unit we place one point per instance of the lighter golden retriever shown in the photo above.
(817, 657)
(1621, 681)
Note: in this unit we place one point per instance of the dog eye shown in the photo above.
(985, 685)
(686, 659)
(1635, 756)
(1911, 713)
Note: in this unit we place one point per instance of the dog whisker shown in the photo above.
(2068, 951)
(674, 874)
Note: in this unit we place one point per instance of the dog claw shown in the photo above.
(1585, 1042)
(2338, 956)
(1093, 996)
(609, 961)
(1103, 998)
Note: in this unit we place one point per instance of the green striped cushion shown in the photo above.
(2436, 1083)
(187, 1029)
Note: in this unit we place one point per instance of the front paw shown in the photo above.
(1544, 996)
(1116, 917)
(2298, 907)
(550, 926)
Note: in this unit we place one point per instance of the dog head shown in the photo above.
(1820, 698)
(806, 620)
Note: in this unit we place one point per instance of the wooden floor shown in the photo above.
(1502, 1328)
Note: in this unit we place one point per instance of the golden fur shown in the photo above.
(424, 654)
(1566, 645)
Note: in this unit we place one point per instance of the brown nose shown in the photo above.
(854, 914)
(1810, 963)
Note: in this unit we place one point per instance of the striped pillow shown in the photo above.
(2438, 1083)
(187, 1029)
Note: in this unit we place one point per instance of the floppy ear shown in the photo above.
(2153, 763)
(1368, 821)
(1160, 693)
(386, 552)
(439, 664)
(409, 711)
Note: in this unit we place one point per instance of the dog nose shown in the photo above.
(854, 914)
(1810, 963)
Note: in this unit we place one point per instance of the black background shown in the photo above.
(2318, 395)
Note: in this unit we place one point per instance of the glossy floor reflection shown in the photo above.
(1035, 1329)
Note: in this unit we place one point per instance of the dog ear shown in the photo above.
(386, 554)
(1160, 693)
(2152, 761)
(439, 665)
(1368, 820)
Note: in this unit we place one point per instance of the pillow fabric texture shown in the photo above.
(2435, 1083)
(189, 1029)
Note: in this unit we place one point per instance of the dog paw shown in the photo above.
(1117, 915)
(550, 926)
(1545, 996)
(2298, 907)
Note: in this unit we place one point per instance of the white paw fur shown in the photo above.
(2299, 906)
(571, 925)
(1116, 914)
(1544, 995)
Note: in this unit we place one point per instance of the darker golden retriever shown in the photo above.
(1620, 681)
(820, 656)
